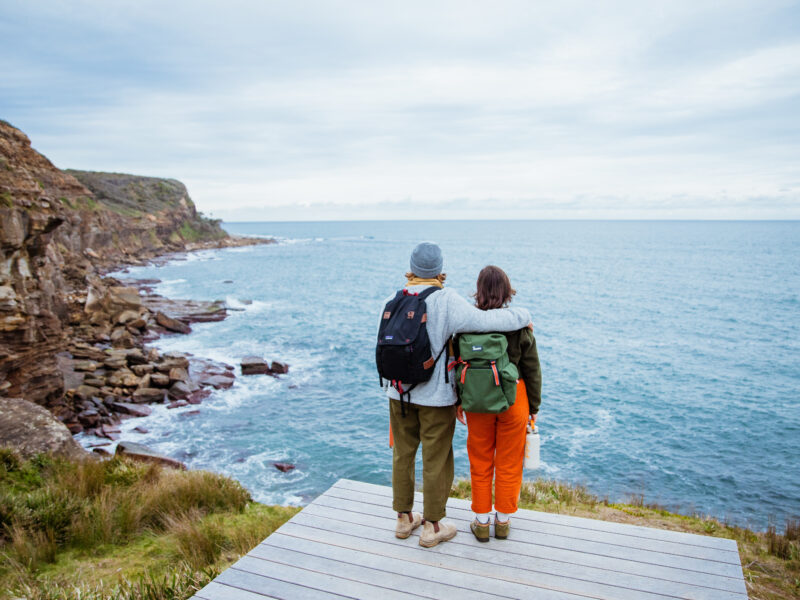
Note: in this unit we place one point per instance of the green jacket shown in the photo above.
(522, 352)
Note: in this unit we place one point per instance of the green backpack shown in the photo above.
(486, 380)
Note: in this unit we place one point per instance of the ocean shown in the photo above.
(670, 354)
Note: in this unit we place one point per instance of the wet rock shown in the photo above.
(178, 404)
(172, 324)
(143, 453)
(218, 382)
(180, 389)
(101, 452)
(283, 466)
(254, 365)
(198, 396)
(89, 418)
(279, 368)
(147, 395)
(139, 429)
(189, 413)
(31, 429)
(134, 410)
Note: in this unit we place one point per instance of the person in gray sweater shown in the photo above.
(430, 417)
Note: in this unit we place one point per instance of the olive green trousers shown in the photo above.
(433, 427)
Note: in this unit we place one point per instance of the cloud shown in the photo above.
(271, 110)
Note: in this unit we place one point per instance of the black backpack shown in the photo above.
(403, 353)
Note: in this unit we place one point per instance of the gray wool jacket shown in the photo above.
(448, 314)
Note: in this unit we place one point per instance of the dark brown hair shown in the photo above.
(494, 288)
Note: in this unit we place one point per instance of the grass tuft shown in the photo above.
(117, 528)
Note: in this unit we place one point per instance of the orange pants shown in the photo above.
(496, 447)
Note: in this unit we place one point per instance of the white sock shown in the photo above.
(483, 518)
(502, 517)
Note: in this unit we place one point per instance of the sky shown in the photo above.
(275, 110)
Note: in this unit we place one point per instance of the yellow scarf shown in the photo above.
(420, 281)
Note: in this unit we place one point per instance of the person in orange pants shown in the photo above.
(496, 442)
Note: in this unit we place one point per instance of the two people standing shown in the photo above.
(425, 414)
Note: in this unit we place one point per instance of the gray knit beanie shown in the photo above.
(426, 260)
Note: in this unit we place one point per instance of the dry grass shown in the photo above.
(770, 559)
(117, 529)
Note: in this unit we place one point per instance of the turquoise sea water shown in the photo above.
(670, 354)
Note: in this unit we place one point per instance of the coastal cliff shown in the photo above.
(59, 232)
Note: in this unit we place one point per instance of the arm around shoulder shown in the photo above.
(463, 317)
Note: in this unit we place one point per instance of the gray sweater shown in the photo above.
(448, 314)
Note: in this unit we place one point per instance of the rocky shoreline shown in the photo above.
(112, 374)
(73, 340)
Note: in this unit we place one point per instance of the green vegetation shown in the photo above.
(66, 202)
(6, 199)
(97, 530)
(188, 232)
(770, 560)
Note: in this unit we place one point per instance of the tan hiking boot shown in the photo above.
(501, 529)
(435, 532)
(406, 523)
(480, 530)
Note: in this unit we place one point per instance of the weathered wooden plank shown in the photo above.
(686, 573)
(348, 580)
(459, 572)
(218, 591)
(368, 501)
(283, 585)
(596, 524)
(526, 532)
(495, 554)
(387, 576)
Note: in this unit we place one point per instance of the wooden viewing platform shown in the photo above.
(342, 545)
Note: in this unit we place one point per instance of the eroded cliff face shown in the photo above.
(58, 231)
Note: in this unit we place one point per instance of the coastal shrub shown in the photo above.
(200, 542)
(6, 199)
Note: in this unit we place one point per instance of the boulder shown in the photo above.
(31, 429)
(159, 379)
(143, 453)
(147, 395)
(279, 368)
(126, 316)
(140, 429)
(85, 365)
(134, 356)
(178, 404)
(87, 391)
(142, 370)
(134, 410)
(218, 382)
(178, 374)
(283, 466)
(172, 324)
(123, 378)
(254, 365)
(180, 390)
(198, 396)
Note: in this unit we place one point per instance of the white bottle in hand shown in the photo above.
(532, 447)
